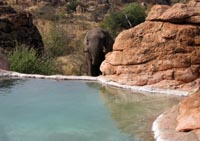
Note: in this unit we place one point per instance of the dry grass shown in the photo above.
(73, 27)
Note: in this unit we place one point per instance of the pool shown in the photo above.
(49, 110)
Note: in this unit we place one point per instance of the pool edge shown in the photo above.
(103, 80)
(100, 79)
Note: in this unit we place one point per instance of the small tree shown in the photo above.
(130, 16)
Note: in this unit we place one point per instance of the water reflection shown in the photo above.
(93, 85)
(71, 110)
(6, 84)
(134, 112)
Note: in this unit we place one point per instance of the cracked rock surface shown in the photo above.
(163, 51)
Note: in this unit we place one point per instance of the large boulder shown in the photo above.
(178, 13)
(164, 51)
(189, 117)
(17, 28)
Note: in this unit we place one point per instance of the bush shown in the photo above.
(57, 42)
(113, 23)
(25, 60)
(132, 15)
(72, 5)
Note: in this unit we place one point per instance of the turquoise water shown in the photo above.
(48, 110)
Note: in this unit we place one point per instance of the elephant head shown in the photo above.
(97, 43)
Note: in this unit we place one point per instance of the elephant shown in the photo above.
(97, 43)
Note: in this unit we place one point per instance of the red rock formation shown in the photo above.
(164, 128)
(189, 117)
(163, 51)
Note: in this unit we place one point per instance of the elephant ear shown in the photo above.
(85, 43)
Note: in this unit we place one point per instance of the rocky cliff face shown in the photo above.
(164, 51)
(17, 28)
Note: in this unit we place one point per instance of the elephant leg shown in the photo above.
(88, 63)
(89, 68)
(95, 71)
(95, 68)
(92, 70)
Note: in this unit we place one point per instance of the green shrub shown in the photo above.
(26, 60)
(130, 16)
(57, 42)
(72, 5)
(113, 23)
(135, 14)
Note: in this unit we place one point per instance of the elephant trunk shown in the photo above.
(97, 53)
(98, 58)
